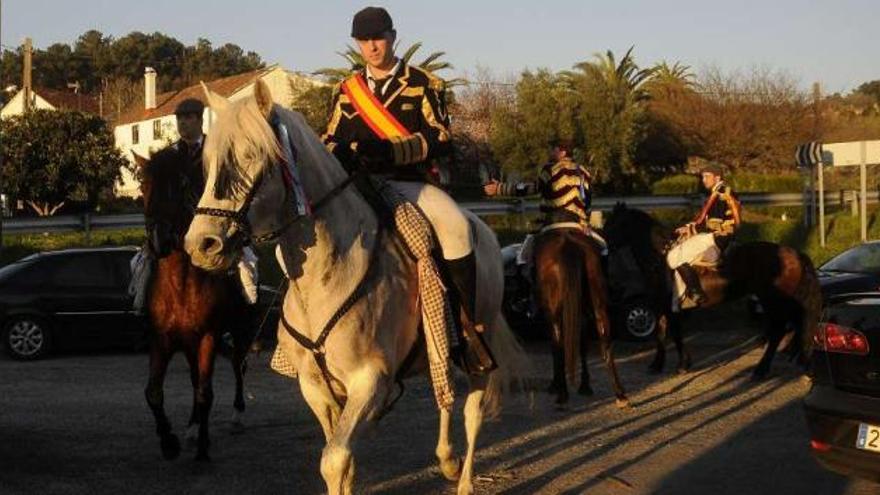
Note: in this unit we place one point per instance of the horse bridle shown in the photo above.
(242, 224)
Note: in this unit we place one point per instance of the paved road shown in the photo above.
(78, 424)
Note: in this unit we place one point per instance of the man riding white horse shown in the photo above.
(390, 120)
(708, 235)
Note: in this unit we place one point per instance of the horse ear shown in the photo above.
(263, 96)
(215, 101)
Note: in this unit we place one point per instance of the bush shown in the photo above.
(677, 184)
(742, 182)
(750, 182)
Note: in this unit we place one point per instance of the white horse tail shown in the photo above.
(513, 366)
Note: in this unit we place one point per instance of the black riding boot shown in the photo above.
(692, 281)
(475, 356)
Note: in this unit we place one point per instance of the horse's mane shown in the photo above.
(240, 134)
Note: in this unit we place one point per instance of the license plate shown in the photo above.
(869, 437)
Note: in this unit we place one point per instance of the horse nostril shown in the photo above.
(211, 245)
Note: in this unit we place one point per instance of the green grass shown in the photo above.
(760, 223)
(17, 246)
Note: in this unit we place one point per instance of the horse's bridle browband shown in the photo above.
(239, 217)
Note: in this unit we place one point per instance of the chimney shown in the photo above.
(149, 88)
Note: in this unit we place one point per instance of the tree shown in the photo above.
(612, 115)
(544, 109)
(668, 79)
(313, 101)
(94, 60)
(871, 88)
(431, 64)
(50, 157)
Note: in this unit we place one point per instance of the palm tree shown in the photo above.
(668, 79)
(624, 79)
(431, 64)
(612, 112)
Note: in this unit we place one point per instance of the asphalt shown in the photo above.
(78, 424)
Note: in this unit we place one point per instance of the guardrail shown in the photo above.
(87, 223)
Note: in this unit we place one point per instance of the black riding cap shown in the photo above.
(371, 22)
(189, 106)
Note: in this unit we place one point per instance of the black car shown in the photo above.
(65, 299)
(632, 316)
(843, 405)
(78, 298)
(855, 270)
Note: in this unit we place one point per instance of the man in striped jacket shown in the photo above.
(565, 192)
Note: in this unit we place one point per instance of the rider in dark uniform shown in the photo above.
(390, 120)
(175, 181)
(713, 228)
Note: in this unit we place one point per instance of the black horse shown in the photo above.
(783, 279)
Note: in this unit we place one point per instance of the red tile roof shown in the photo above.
(68, 100)
(167, 102)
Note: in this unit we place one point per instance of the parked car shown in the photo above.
(855, 270)
(632, 317)
(67, 298)
(843, 405)
(78, 298)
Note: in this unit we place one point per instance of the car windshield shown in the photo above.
(860, 259)
(14, 267)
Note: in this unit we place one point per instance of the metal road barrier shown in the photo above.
(87, 223)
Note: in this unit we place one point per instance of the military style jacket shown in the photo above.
(565, 192)
(720, 214)
(173, 182)
(416, 100)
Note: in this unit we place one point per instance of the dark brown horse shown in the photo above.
(571, 284)
(783, 279)
(189, 310)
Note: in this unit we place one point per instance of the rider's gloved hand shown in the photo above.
(345, 155)
(375, 154)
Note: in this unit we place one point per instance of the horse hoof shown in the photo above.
(622, 403)
(585, 390)
(451, 469)
(683, 370)
(170, 445)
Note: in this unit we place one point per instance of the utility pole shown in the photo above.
(26, 76)
(817, 114)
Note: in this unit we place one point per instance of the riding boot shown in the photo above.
(475, 356)
(692, 281)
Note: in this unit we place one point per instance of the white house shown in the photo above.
(144, 130)
(51, 99)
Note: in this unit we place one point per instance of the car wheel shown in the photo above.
(27, 337)
(639, 321)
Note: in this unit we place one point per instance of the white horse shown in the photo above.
(327, 255)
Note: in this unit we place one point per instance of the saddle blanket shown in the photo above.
(526, 253)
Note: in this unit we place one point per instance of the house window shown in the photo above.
(135, 138)
(157, 129)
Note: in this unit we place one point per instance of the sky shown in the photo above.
(836, 43)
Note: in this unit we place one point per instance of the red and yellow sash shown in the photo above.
(377, 117)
